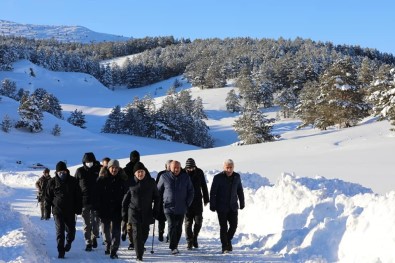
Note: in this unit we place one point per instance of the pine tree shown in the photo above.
(383, 98)
(6, 124)
(56, 130)
(51, 105)
(232, 101)
(114, 122)
(77, 118)
(306, 110)
(30, 113)
(8, 88)
(253, 126)
(340, 99)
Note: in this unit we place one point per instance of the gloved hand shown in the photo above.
(212, 208)
(241, 206)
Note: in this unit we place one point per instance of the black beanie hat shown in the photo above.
(46, 170)
(138, 166)
(190, 163)
(61, 166)
(135, 155)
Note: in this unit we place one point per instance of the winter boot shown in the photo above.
(67, 247)
(195, 242)
(113, 255)
(131, 246)
(88, 247)
(94, 242)
(160, 238)
(189, 246)
(61, 254)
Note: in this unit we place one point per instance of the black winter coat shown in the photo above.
(225, 191)
(64, 196)
(201, 192)
(109, 193)
(87, 178)
(137, 203)
(161, 215)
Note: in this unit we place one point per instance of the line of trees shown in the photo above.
(179, 118)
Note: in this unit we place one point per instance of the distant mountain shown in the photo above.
(61, 33)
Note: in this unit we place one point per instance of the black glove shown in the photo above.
(212, 208)
(241, 207)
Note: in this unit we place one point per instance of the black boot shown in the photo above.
(67, 247)
(113, 255)
(160, 238)
(94, 242)
(195, 242)
(88, 247)
(61, 254)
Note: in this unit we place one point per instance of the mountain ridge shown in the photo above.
(62, 33)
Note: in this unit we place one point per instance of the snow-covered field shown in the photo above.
(312, 196)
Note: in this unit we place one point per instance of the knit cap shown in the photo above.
(113, 162)
(190, 163)
(138, 166)
(61, 166)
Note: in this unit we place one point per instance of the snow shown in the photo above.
(311, 196)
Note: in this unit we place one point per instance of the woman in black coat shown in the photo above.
(137, 207)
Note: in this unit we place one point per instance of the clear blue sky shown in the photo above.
(353, 22)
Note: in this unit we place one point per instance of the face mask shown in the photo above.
(62, 175)
(89, 164)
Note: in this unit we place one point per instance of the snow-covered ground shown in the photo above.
(312, 196)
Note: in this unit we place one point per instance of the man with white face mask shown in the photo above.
(87, 175)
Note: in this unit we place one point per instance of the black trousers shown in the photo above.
(227, 232)
(189, 219)
(174, 224)
(140, 236)
(112, 233)
(62, 224)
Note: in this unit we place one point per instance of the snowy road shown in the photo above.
(41, 244)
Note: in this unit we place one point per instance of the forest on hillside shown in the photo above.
(321, 83)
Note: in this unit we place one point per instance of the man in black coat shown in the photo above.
(225, 191)
(87, 175)
(126, 227)
(110, 190)
(137, 207)
(195, 210)
(63, 196)
(161, 217)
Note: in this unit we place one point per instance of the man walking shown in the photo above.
(87, 175)
(161, 216)
(195, 211)
(41, 186)
(63, 196)
(225, 191)
(137, 207)
(177, 192)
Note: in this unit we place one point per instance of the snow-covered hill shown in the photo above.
(312, 196)
(61, 33)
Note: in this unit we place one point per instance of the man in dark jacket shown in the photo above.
(41, 186)
(176, 191)
(126, 227)
(110, 190)
(161, 216)
(87, 175)
(63, 196)
(195, 211)
(137, 207)
(225, 191)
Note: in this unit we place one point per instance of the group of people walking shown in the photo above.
(123, 203)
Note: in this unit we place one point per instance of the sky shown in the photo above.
(368, 24)
(312, 196)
